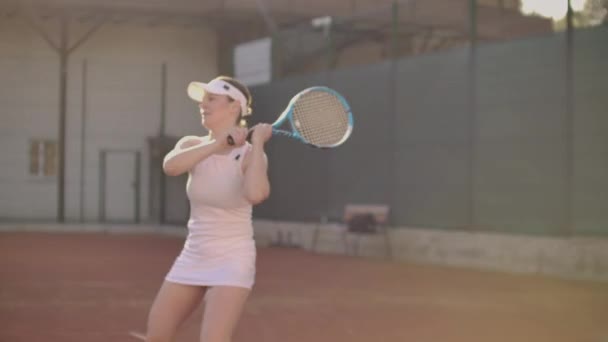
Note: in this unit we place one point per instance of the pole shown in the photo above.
(472, 110)
(569, 123)
(63, 83)
(83, 125)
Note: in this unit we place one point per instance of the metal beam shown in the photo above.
(271, 24)
(207, 18)
(473, 126)
(33, 21)
(63, 84)
(83, 140)
(89, 33)
(568, 225)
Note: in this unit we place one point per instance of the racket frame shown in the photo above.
(287, 114)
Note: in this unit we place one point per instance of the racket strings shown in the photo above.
(321, 118)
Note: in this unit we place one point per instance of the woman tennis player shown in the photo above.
(217, 261)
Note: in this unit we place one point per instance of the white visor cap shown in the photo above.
(196, 90)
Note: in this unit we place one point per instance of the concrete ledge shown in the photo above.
(569, 257)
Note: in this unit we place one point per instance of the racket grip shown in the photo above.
(231, 140)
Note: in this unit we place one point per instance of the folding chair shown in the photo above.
(366, 220)
(359, 220)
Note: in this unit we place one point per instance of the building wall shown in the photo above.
(122, 108)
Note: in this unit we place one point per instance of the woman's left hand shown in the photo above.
(261, 133)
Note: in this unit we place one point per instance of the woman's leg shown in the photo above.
(173, 304)
(223, 308)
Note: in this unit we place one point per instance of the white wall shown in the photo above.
(123, 105)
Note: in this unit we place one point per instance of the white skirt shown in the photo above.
(215, 262)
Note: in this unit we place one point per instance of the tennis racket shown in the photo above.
(318, 116)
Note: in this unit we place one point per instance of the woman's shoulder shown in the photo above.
(191, 140)
(194, 137)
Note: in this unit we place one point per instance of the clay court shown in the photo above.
(66, 287)
(465, 140)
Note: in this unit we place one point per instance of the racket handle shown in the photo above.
(231, 140)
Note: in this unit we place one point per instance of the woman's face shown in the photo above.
(218, 111)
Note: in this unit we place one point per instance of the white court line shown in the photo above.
(137, 335)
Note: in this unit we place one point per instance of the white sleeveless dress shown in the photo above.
(219, 249)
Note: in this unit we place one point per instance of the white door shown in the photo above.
(119, 186)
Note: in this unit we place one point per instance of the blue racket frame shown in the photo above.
(288, 115)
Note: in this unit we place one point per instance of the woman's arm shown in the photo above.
(256, 184)
(187, 153)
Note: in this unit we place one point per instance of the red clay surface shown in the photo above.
(96, 287)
